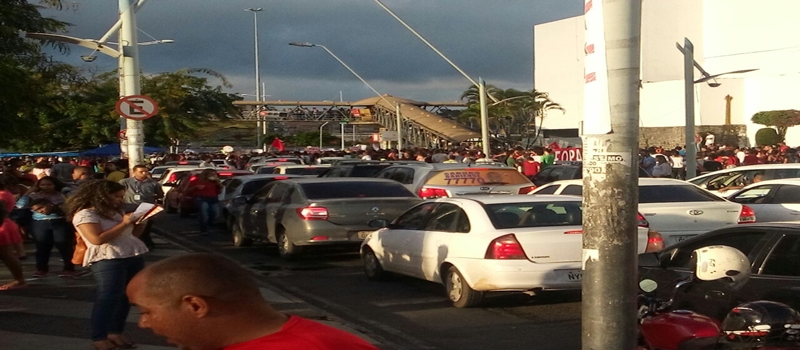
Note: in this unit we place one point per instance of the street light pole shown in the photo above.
(255, 12)
(484, 120)
(688, 83)
(129, 62)
(320, 135)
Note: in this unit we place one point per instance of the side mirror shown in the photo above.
(378, 223)
(648, 285)
(241, 200)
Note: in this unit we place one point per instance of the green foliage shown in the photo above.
(767, 136)
(781, 120)
(310, 138)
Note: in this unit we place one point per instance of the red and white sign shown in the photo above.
(137, 107)
(122, 135)
(572, 154)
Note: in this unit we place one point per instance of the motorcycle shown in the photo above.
(754, 325)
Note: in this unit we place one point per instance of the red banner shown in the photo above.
(572, 154)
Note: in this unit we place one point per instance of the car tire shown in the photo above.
(229, 224)
(239, 240)
(169, 208)
(458, 291)
(182, 213)
(286, 249)
(372, 267)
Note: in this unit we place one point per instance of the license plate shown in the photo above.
(682, 238)
(364, 234)
(572, 275)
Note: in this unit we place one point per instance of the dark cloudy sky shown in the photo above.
(487, 38)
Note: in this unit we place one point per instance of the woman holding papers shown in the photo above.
(113, 252)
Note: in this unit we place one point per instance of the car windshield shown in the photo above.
(535, 214)
(675, 193)
(477, 177)
(354, 189)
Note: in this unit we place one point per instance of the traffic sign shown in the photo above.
(122, 135)
(137, 107)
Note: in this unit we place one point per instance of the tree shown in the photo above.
(781, 120)
(311, 138)
(767, 136)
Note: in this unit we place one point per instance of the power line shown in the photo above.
(753, 52)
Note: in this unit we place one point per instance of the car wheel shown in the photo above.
(286, 249)
(372, 267)
(459, 291)
(229, 223)
(239, 240)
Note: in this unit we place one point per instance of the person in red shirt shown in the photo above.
(205, 302)
(205, 190)
(530, 167)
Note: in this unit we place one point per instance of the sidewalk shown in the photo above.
(54, 312)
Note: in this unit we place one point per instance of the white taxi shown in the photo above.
(474, 245)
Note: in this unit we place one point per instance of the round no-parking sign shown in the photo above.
(137, 107)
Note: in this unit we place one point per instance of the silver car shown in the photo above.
(299, 214)
(438, 180)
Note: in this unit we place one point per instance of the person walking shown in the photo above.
(204, 301)
(113, 253)
(678, 165)
(10, 240)
(48, 225)
(141, 188)
(206, 197)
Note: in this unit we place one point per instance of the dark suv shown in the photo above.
(565, 171)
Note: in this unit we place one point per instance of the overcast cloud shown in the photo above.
(492, 39)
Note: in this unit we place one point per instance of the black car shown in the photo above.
(772, 248)
(565, 171)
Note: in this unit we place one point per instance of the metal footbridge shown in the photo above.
(420, 124)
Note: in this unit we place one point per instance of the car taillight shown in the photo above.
(172, 177)
(427, 192)
(505, 248)
(747, 215)
(313, 213)
(526, 189)
(641, 221)
(655, 242)
(281, 177)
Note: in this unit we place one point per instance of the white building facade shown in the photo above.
(728, 35)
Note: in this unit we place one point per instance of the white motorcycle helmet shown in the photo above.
(720, 262)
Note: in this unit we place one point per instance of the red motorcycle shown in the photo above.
(761, 325)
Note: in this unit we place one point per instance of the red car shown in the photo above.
(180, 200)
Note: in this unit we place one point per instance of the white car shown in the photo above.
(772, 200)
(171, 175)
(676, 209)
(725, 182)
(474, 245)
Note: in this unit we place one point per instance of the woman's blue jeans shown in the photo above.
(49, 233)
(206, 211)
(111, 305)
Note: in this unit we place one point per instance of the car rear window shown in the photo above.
(477, 177)
(367, 170)
(266, 170)
(253, 186)
(158, 171)
(305, 171)
(536, 214)
(354, 189)
(675, 193)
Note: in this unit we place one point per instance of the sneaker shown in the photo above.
(39, 274)
(67, 273)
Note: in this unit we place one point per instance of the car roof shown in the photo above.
(751, 167)
(246, 178)
(491, 199)
(437, 166)
(305, 180)
(293, 166)
(645, 181)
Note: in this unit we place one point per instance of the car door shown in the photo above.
(251, 209)
(268, 216)
(446, 224)
(398, 236)
(759, 198)
(778, 277)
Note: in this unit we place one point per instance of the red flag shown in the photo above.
(554, 145)
(277, 144)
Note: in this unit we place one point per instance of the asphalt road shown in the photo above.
(402, 313)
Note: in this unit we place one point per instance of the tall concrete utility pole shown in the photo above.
(688, 81)
(610, 163)
(130, 77)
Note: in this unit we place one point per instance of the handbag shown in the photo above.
(80, 250)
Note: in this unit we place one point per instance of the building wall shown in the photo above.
(728, 35)
(672, 136)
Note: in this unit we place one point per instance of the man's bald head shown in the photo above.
(204, 275)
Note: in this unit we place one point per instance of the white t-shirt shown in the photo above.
(125, 245)
(677, 162)
(710, 139)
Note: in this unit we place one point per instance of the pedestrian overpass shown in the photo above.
(420, 124)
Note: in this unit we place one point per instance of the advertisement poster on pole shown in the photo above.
(597, 112)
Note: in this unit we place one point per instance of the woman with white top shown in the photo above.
(678, 166)
(662, 168)
(113, 252)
